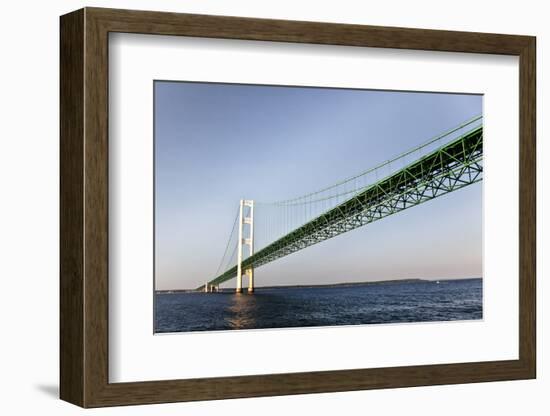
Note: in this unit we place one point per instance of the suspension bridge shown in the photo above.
(265, 232)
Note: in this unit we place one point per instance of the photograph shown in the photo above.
(282, 206)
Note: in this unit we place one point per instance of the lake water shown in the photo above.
(416, 301)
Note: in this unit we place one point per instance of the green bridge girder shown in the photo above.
(451, 167)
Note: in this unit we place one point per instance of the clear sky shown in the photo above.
(218, 143)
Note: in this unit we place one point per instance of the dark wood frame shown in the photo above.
(84, 208)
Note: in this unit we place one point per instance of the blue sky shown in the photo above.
(218, 143)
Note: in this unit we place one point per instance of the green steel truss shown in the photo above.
(446, 169)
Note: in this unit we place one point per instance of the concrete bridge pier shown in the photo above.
(211, 288)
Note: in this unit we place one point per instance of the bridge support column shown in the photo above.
(239, 288)
(250, 274)
(243, 220)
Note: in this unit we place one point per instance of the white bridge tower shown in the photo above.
(248, 241)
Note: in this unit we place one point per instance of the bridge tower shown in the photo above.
(248, 241)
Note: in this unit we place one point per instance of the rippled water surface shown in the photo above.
(418, 301)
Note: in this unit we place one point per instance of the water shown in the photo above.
(416, 301)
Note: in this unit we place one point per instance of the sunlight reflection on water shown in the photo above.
(242, 310)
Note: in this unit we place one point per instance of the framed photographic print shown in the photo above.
(255, 207)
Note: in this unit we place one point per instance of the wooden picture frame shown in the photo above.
(84, 207)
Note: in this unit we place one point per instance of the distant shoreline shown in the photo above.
(346, 284)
